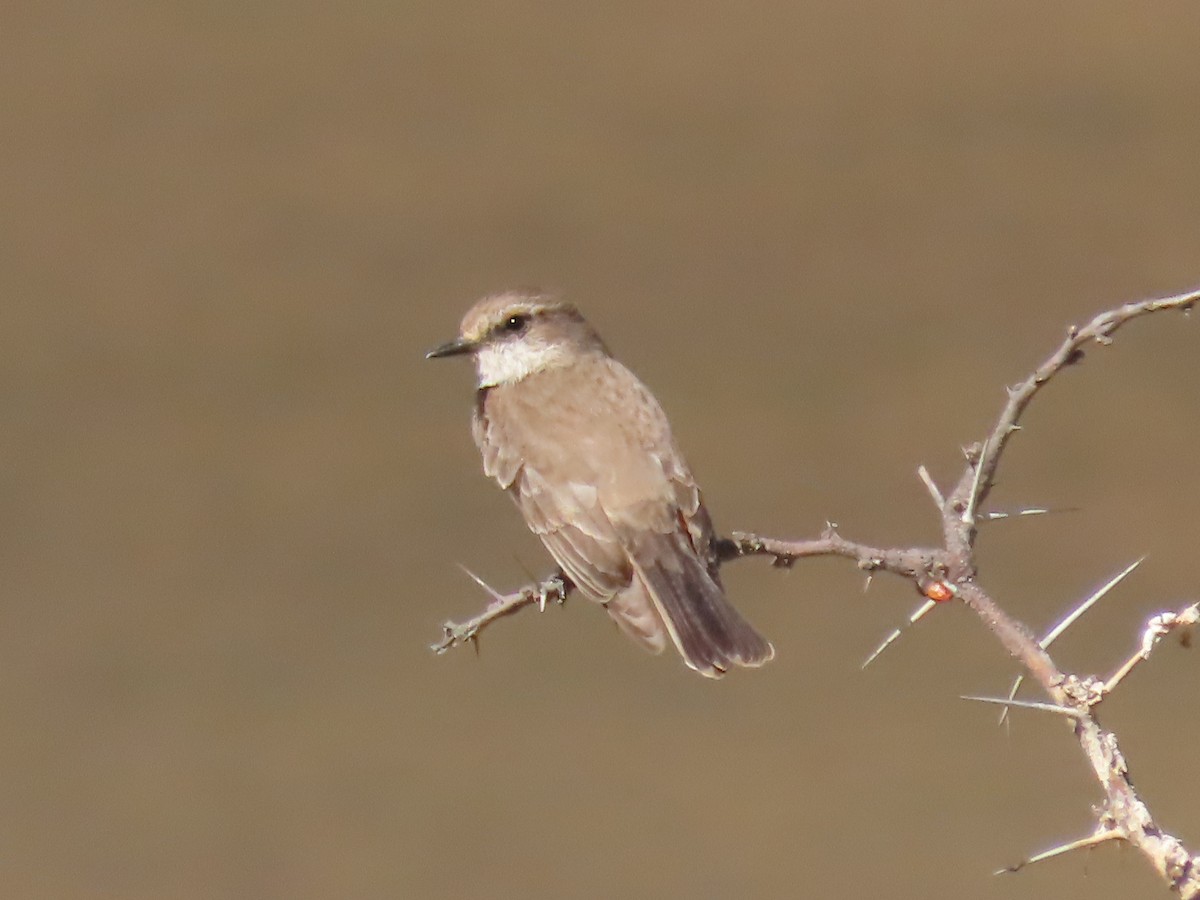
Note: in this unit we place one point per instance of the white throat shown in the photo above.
(505, 363)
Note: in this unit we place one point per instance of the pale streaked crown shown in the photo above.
(516, 333)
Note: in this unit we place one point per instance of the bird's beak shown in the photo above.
(456, 347)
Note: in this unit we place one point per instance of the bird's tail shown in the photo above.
(710, 634)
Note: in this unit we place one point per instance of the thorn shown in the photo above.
(1066, 623)
(1100, 837)
(551, 588)
(540, 588)
(931, 486)
(492, 592)
(1087, 604)
(1026, 511)
(887, 642)
(919, 613)
(1012, 693)
(1027, 704)
(1046, 510)
(968, 515)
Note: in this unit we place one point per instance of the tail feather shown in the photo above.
(636, 615)
(710, 634)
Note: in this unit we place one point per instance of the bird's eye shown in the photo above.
(516, 323)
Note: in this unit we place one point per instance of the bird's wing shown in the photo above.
(560, 504)
(668, 537)
(577, 531)
(502, 458)
(692, 516)
(567, 516)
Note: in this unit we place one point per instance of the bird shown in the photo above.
(587, 453)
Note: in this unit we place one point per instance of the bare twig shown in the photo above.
(1157, 628)
(555, 588)
(909, 562)
(973, 488)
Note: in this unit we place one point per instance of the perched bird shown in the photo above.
(587, 454)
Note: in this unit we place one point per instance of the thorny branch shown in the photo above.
(950, 572)
(555, 587)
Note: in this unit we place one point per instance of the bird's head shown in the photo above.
(517, 333)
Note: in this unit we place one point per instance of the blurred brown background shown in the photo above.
(233, 495)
